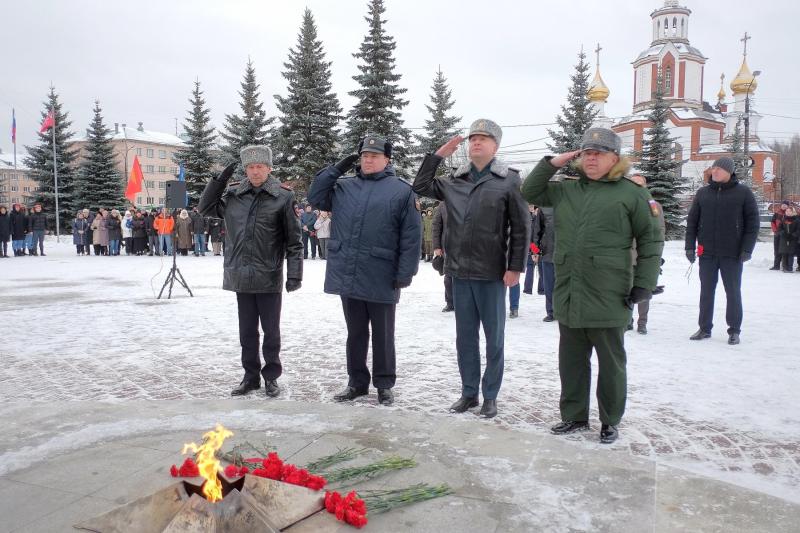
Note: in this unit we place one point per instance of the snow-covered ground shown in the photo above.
(90, 328)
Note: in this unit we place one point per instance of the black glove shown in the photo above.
(438, 264)
(401, 283)
(637, 295)
(226, 174)
(347, 163)
(292, 284)
(745, 256)
(658, 290)
(690, 255)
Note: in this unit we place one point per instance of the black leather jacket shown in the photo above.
(260, 230)
(488, 224)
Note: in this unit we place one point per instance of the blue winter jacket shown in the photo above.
(375, 233)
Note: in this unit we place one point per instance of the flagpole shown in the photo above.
(14, 133)
(55, 178)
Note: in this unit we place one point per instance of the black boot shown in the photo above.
(489, 408)
(569, 426)
(700, 335)
(385, 397)
(642, 329)
(463, 403)
(514, 313)
(608, 433)
(271, 388)
(245, 387)
(350, 393)
(733, 339)
(448, 308)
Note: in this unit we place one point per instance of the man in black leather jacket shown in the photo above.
(723, 220)
(261, 230)
(487, 243)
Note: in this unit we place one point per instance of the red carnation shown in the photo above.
(244, 470)
(173, 470)
(699, 250)
(189, 468)
(316, 482)
(355, 518)
(231, 471)
(260, 472)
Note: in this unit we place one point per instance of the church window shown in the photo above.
(666, 26)
(658, 28)
(683, 27)
(668, 80)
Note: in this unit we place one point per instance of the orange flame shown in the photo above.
(207, 461)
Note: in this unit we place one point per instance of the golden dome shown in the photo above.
(721, 94)
(598, 92)
(744, 81)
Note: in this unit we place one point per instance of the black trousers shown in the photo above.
(776, 244)
(448, 291)
(730, 268)
(264, 308)
(360, 315)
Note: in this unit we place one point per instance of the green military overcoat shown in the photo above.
(596, 222)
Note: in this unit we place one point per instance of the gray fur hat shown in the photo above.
(256, 153)
(602, 140)
(484, 126)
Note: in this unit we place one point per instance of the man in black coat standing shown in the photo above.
(486, 246)
(723, 220)
(261, 230)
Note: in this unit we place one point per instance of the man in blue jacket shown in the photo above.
(373, 252)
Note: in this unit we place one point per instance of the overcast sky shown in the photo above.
(505, 60)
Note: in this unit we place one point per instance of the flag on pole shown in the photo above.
(182, 177)
(48, 123)
(134, 181)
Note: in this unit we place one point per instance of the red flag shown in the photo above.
(48, 123)
(134, 181)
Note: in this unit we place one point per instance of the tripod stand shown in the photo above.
(174, 274)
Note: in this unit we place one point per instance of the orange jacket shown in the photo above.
(164, 225)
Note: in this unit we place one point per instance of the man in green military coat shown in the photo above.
(597, 216)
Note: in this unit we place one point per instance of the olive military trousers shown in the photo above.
(575, 368)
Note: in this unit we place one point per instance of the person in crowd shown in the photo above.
(199, 228)
(546, 244)
(372, 254)
(114, 227)
(599, 212)
(89, 218)
(100, 233)
(215, 234)
(307, 220)
(38, 227)
(184, 232)
(530, 267)
(127, 232)
(323, 229)
(438, 229)
(643, 307)
(19, 227)
(723, 220)
(486, 245)
(788, 233)
(427, 234)
(775, 224)
(164, 225)
(5, 230)
(79, 226)
(139, 234)
(262, 231)
(153, 241)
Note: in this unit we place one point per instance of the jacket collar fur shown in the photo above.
(498, 168)
(271, 186)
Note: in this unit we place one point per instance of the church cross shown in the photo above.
(744, 40)
(597, 51)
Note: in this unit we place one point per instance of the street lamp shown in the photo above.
(747, 128)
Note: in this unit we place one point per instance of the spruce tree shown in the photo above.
(196, 156)
(378, 97)
(736, 148)
(441, 127)
(658, 165)
(40, 161)
(577, 115)
(251, 127)
(97, 182)
(307, 137)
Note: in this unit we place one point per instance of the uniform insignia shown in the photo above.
(481, 125)
(653, 207)
(284, 186)
(372, 141)
(595, 136)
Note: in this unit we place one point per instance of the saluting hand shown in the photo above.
(562, 159)
(450, 147)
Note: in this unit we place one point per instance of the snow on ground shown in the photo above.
(90, 328)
